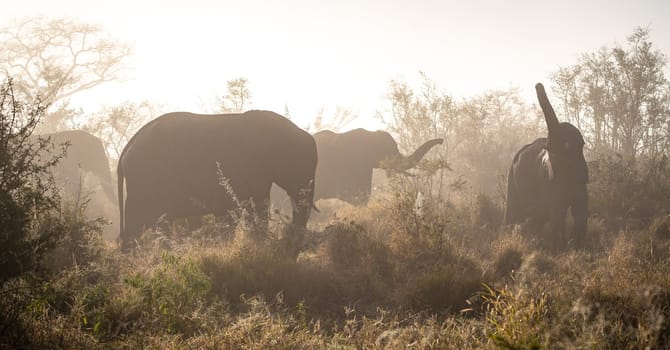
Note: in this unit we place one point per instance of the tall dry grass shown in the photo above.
(379, 276)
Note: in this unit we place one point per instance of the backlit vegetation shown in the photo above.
(397, 273)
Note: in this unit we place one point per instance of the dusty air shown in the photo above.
(346, 175)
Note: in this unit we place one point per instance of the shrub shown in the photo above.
(485, 212)
(629, 193)
(29, 224)
(516, 320)
(173, 293)
(444, 289)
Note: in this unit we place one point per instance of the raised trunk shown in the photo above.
(549, 116)
(412, 160)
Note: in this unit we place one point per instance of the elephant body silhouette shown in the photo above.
(84, 174)
(177, 165)
(549, 176)
(85, 153)
(346, 161)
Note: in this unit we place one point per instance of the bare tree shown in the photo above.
(115, 125)
(491, 127)
(619, 98)
(335, 121)
(416, 116)
(238, 98)
(481, 134)
(57, 58)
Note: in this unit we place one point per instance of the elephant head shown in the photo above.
(564, 147)
(549, 176)
(346, 161)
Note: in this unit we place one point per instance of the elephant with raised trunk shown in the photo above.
(175, 166)
(549, 176)
(346, 161)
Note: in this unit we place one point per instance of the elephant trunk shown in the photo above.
(549, 116)
(302, 203)
(413, 159)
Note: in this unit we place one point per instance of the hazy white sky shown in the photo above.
(312, 54)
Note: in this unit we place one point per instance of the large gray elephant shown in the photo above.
(549, 176)
(84, 174)
(175, 165)
(346, 161)
(85, 158)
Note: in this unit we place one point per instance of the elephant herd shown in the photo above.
(184, 164)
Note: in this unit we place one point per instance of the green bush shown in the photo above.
(29, 225)
(517, 320)
(173, 293)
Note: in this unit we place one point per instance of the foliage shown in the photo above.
(374, 283)
(481, 134)
(28, 203)
(238, 98)
(58, 58)
(417, 116)
(642, 190)
(517, 320)
(619, 98)
(173, 291)
(412, 269)
(116, 125)
(335, 121)
(40, 235)
(491, 129)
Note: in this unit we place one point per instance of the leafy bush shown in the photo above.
(629, 193)
(29, 220)
(516, 320)
(173, 293)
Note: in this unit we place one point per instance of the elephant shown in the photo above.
(85, 155)
(183, 164)
(549, 176)
(346, 161)
(84, 174)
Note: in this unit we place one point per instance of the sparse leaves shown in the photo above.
(238, 98)
(26, 187)
(58, 58)
(619, 98)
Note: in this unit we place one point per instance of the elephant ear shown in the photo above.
(549, 117)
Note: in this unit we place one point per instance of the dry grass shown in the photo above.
(378, 276)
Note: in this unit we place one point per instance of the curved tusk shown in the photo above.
(315, 208)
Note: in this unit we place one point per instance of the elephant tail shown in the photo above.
(119, 180)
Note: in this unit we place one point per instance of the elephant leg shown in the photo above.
(511, 205)
(140, 214)
(579, 211)
(557, 227)
(259, 207)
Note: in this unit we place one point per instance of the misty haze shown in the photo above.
(334, 175)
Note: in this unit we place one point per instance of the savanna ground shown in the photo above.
(386, 275)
